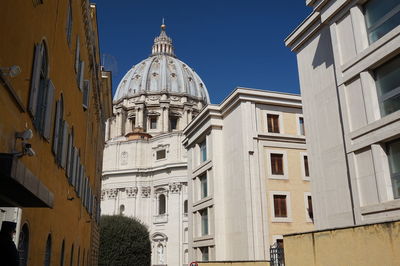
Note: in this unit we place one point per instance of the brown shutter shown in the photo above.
(35, 80)
(306, 170)
(56, 127)
(64, 145)
(49, 110)
(283, 207)
(276, 123)
(279, 160)
(269, 121)
(77, 56)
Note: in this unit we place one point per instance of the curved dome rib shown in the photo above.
(162, 72)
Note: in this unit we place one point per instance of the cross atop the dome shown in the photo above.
(163, 43)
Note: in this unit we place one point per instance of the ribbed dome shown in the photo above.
(162, 72)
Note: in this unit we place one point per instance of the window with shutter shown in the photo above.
(306, 170)
(310, 209)
(68, 26)
(86, 91)
(70, 154)
(273, 123)
(280, 209)
(64, 145)
(77, 55)
(77, 172)
(81, 74)
(37, 65)
(277, 164)
(74, 166)
(48, 110)
(56, 127)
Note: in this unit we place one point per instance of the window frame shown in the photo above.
(284, 162)
(298, 118)
(389, 165)
(381, 98)
(303, 169)
(275, 219)
(306, 207)
(151, 122)
(203, 193)
(203, 151)
(387, 16)
(162, 158)
(202, 232)
(280, 121)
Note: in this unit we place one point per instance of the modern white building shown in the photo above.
(348, 55)
(145, 164)
(249, 182)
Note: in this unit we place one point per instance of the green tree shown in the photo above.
(123, 242)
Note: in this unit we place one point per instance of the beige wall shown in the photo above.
(233, 263)
(368, 245)
(294, 183)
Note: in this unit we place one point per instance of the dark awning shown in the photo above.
(19, 187)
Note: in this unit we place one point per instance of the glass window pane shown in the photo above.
(394, 163)
(203, 151)
(387, 79)
(204, 222)
(381, 17)
(203, 186)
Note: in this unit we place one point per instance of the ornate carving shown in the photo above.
(103, 194)
(112, 193)
(146, 192)
(175, 187)
(124, 158)
(131, 192)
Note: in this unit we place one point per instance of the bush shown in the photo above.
(123, 241)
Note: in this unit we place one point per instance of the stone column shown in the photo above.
(165, 118)
(118, 123)
(107, 133)
(140, 117)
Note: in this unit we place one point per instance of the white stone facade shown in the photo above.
(145, 164)
(349, 67)
(230, 185)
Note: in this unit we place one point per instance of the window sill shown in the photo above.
(381, 207)
(204, 166)
(281, 220)
(203, 203)
(278, 177)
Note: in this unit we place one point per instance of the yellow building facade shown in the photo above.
(54, 99)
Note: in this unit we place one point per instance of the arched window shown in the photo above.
(161, 204)
(41, 92)
(186, 257)
(62, 253)
(23, 245)
(71, 262)
(121, 209)
(185, 207)
(47, 254)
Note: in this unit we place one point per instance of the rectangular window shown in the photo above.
(204, 222)
(306, 170)
(203, 186)
(280, 209)
(273, 123)
(393, 150)
(68, 27)
(161, 154)
(203, 151)
(301, 126)
(276, 164)
(204, 253)
(309, 208)
(387, 80)
(279, 243)
(173, 122)
(153, 122)
(381, 16)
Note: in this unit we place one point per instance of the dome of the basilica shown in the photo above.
(162, 72)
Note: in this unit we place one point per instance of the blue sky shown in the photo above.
(228, 43)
